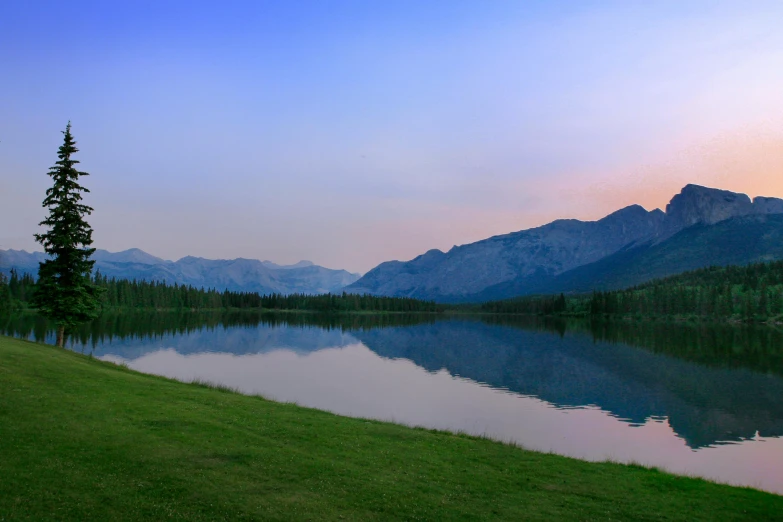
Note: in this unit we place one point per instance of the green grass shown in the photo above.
(81, 439)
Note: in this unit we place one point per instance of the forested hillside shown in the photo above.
(751, 292)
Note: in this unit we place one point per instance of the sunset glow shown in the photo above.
(351, 133)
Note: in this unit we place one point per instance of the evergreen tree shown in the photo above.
(763, 307)
(5, 294)
(65, 292)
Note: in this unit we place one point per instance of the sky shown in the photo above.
(350, 133)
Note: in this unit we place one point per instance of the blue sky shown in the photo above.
(351, 133)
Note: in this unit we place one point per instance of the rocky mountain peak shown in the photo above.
(132, 255)
(628, 212)
(634, 215)
(764, 205)
(697, 204)
(514, 263)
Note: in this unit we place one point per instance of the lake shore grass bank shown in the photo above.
(82, 439)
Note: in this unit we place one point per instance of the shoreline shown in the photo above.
(85, 438)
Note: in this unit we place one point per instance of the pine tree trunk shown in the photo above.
(61, 336)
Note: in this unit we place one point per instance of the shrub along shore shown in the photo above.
(82, 439)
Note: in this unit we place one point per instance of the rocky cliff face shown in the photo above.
(764, 205)
(697, 204)
(552, 249)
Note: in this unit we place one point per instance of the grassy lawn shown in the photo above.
(85, 440)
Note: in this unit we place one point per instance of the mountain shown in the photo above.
(246, 275)
(275, 266)
(734, 241)
(21, 260)
(626, 247)
(133, 255)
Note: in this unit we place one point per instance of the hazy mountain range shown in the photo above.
(248, 275)
(700, 227)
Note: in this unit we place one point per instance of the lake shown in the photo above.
(696, 400)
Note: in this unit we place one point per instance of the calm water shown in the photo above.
(704, 401)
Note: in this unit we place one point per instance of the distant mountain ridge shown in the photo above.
(244, 275)
(736, 241)
(570, 255)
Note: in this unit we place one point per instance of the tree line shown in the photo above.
(17, 292)
(531, 305)
(750, 293)
(347, 303)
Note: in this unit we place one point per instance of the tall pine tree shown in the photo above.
(65, 292)
(5, 294)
